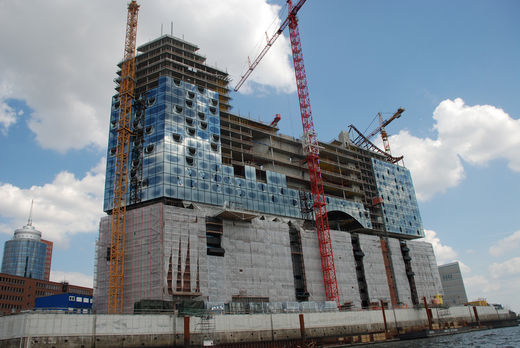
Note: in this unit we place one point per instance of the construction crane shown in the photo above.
(118, 226)
(366, 143)
(383, 124)
(311, 147)
(360, 140)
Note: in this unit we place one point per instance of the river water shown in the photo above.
(508, 337)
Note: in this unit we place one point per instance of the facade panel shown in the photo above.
(400, 208)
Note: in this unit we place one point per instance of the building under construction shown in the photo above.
(219, 206)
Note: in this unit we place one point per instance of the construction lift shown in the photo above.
(310, 143)
(118, 225)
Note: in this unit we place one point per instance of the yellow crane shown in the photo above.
(118, 226)
(382, 126)
(362, 139)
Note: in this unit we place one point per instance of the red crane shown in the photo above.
(311, 147)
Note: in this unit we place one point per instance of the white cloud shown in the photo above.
(66, 206)
(236, 26)
(477, 134)
(73, 278)
(62, 63)
(443, 253)
(479, 286)
(509, 267)
(510, 243)
(434, 167)
(8, 115)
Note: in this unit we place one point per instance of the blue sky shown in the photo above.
(453, 65)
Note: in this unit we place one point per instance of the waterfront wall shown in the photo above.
(102, 330)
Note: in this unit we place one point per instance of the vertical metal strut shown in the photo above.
(310, 143)
(118, 226)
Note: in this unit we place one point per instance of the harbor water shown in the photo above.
(508, 337)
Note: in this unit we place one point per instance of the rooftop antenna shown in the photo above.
(171, 28)
(29, 222)
(161, 29)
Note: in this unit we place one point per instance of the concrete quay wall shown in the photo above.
(102, 330)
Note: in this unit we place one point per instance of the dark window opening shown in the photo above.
(149, 148)
(214, 232)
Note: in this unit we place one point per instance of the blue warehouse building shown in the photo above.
(68, 302)
(219, 205)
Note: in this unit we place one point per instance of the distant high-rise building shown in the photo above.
(27, 255)
(48, 260)
(452, 284)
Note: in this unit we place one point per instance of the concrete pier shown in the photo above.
(38, 329)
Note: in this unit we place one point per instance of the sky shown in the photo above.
(453, 65)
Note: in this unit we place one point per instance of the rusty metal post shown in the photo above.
(302, 325)
(428, 313)
(186, 331)
(384, 316)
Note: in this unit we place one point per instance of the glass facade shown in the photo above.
(399, 204)
(179, 156)
(24, 258)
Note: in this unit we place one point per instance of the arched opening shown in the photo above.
(341, 221)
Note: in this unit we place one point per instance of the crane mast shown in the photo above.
(311, 148)
(118, 225)
(384, 134)
(310, 143)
